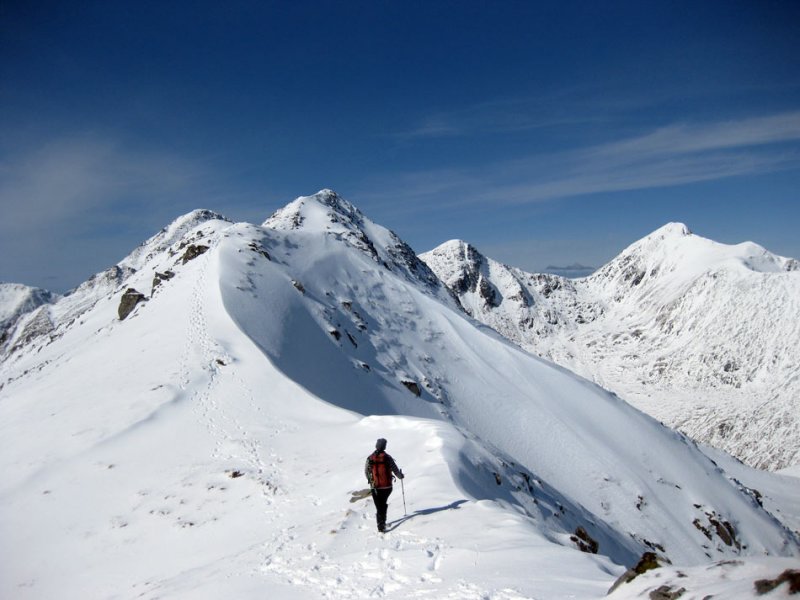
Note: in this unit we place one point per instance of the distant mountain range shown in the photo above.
(701, 335)
(572, 271)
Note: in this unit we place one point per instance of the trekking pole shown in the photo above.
(403, 488)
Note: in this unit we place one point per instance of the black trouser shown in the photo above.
(381, 496)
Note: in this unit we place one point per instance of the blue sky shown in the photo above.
(541, 132)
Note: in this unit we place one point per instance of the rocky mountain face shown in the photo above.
(701, 335)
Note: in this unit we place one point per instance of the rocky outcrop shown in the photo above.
(789, 576)
(159, 277)
(128, 302)
(412, 386)
(584, 541)
(193, 251)
(647, 562)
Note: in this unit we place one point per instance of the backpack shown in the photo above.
(381, 470)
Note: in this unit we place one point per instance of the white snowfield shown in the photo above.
(212, 443)
(703, 336)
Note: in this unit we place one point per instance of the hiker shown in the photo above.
(379, 469)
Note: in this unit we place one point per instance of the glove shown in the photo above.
(401, 476)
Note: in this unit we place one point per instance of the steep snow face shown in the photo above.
(701, 335)
(213, 442)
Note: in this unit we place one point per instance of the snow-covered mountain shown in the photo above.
(17, 299)
(703, 336)
(194, 424)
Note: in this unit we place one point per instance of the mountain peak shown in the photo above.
(196, 217)
(327, 213)
(317, 211)
(674, 247)
(171, 234)
(456, 249)
(672, 229)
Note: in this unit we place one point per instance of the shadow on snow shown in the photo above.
(391, 526)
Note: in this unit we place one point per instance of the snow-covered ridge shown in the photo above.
(42, 323)
(703, 336)
(169, 236)
(218, 435)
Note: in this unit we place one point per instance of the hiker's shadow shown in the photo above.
(392, 525)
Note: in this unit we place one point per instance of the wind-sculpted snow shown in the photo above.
(212, 443)
(703, 336)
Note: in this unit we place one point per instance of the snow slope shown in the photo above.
(703, 336)
(211, 443)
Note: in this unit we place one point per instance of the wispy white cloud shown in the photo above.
(62, 193)
(74, 177)
(685, 138)
(668, 156)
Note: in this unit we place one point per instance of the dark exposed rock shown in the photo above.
(757, 496)
(666, 592)
(193, 251)
(467, 280)
(790, 576)
(299, 286)
(412, 387)
(336, 334)
(699, 526)
(488, 293)
(128, 302)
(159, 277)
(259, 250)
(403, 255)
(724, 530)
(648, 562)
(584, 541)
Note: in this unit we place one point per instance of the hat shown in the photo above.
(380, 444)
